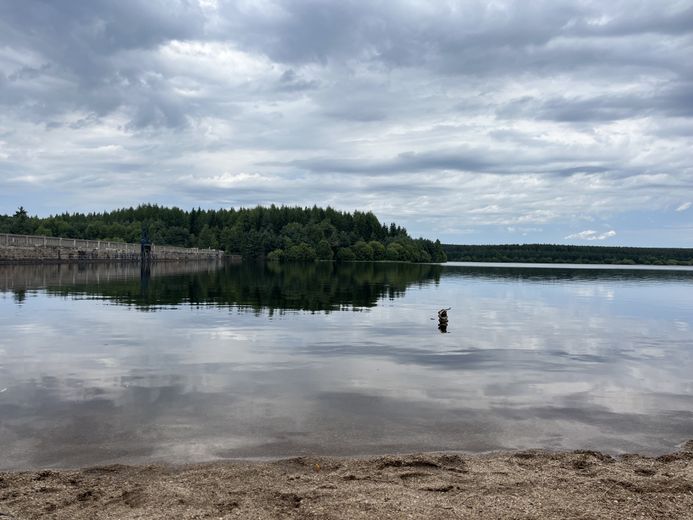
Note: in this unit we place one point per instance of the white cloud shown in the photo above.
(590, 234)
(238, 103)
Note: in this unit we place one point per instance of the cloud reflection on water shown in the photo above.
(528, 362)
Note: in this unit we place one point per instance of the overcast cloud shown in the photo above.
(475, 121)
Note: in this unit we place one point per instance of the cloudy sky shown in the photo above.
(473, 121)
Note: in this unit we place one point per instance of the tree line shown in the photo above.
(568, 254)
(278, 233)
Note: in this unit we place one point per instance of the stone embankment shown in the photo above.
(39, 249)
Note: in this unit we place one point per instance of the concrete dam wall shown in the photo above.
(39, 249)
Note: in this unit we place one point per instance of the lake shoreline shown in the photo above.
(520, 484)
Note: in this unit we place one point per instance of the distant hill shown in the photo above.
(275, 232)
(552, 253)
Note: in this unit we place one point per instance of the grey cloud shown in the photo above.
(99, 27)
(462, 38)
(577, 110)
(503, 113)
(413, 161)
(28, 73)
(78, 43)
(641, 17)
(406, 162)
(298, 32)
(483, 160)
(582, 169)
(674, 101)
(397, 34)
(289, 81)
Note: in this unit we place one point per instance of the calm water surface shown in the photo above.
(190, 362)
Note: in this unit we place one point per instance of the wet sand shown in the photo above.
(520, 485)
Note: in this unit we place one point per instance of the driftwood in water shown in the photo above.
(443, 319)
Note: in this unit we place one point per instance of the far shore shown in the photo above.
(526, 484)
(559, 265)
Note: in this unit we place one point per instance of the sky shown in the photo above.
(492, 121)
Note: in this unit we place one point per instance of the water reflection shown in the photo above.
(532, 358)
(548, 273)
(318, 286)
(308, 287)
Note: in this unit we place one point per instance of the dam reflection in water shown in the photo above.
(202, 361)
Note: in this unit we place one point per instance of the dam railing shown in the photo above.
(90, 245)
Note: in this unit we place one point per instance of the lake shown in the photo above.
(194, 362)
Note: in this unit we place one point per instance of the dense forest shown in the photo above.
(550, 253)
(295, 233)
(277, 233)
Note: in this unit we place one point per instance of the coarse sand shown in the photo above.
(518, 485)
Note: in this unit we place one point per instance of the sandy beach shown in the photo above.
(528, 484)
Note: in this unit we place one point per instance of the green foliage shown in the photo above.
(378, 250)
(565, 254)
(324, 251)
(362, 251)
(275, 256)
(345, 254)
(43, 231)
(300, 253)
(309, 233)
(394, 251)
(207, 238)
(300, 234)
(21, 224)
(438, 252)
